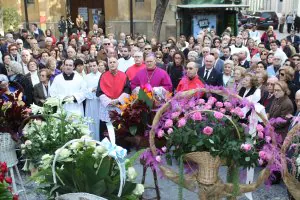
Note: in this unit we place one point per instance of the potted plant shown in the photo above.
(201, 134)
(82, 166)
(48, 129)
(12, 112)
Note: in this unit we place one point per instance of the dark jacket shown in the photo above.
(281, 107)
(3, 69)
(265, 101)
(175, 73)
(38, 94)
(243, 90)
(27, 86)
(215, 78)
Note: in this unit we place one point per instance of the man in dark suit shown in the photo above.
(296, 60)
(209, 74)
(226, 53)
(219, 63)
(41, 90)
(294, 39)
(243, 59)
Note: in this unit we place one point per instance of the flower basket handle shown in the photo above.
(114, 151)
(290, 181)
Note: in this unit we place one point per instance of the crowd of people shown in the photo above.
(96, 71)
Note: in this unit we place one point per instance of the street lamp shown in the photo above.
(26, 14)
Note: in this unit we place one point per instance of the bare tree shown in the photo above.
(161, 6)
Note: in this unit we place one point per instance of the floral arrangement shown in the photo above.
(5, 182)
(87, 167)
(136, 115)
(12, 113)
(46, 132)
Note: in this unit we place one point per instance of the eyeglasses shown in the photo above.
(297, 59)
(30, 38)
(147, 48)
(282, 74)
(158, 57)
(205, 51)
(106, 44)
(19, 43)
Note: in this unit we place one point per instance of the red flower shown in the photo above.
(15, 197)
(1, 178)
(3, 167)
(8, 180)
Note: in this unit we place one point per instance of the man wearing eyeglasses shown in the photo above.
(25, 56)
(272, 70)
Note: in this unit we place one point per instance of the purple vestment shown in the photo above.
(156, 78)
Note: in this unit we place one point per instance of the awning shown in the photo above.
(212, 6)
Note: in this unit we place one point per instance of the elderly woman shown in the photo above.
(9, 88)
(17, 76)
(51, 65)
(33, 72)
(235, 59)
(252, 47)
(13, 52)
(238, 75)
(268, 96)
(41, 90)
(6, 62)
(281, 107)
(286, 74)
(228, 80)
(192, 56)
(249, 87)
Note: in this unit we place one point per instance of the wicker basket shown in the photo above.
(208, 166)
(8, 150)
(79, 196)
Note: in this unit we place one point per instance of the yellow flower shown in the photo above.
(119, 126)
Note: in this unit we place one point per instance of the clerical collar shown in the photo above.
(68, 77)
(126, 58)
(151, 69)
(238, 46)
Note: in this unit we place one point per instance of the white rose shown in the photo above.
(76, 145)
(52, 102)
(28, 143)
(139, 190)
(23, 146)
(46, 161)
(64, 155)
(36, 109)
(131, 174)
(23, 152)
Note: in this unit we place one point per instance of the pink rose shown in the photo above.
(175, 115)
(219, 104)
(212, 99)
(158, 158)
(181, 122)
(223, 110)
(208, 130)
(148, 87)
(164, 149)
(160, 133)
(227, 105)
(268, 139)
(246, 147)
(218, 115)
(240, 114)
(168, 123)
(263, 155)
(197, 116)
(260, 135)
(201, 101)
(259, 127)
(170, 130)
(191, 104)
(207, 107)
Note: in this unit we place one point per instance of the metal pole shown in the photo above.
(131, 17)
(26, 15)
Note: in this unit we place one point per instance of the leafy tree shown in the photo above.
(11, 19)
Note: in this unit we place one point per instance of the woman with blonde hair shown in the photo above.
(238, 75)
(249, 86)
(228, 79)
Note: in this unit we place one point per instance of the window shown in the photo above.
(30, 1)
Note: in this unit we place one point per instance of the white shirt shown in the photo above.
(125, 64)
(237, 50)
(225, 79)
(209, 71)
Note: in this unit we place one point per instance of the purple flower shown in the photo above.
(207, 106)
(168, 123)
(208, 130)
(164, 149)
(259, 127)
(268, 139)
(246, 147)
(181, 122)
(212, 99)
(201, 101)
(260, 161)
(219, 104)
(158, 159)
(197, 116)
(218, 115)
(160, 133)
(174, 115)
(227, 105)
(170, 130)
(260, 134)
(223, 110)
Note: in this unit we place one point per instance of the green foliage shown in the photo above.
(11, 19)
(144, 97)
(5, 194)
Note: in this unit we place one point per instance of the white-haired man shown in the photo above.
(219, 63)
(25, 58)
(138, 65)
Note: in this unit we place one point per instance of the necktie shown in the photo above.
(206, 75)
(46, 87)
